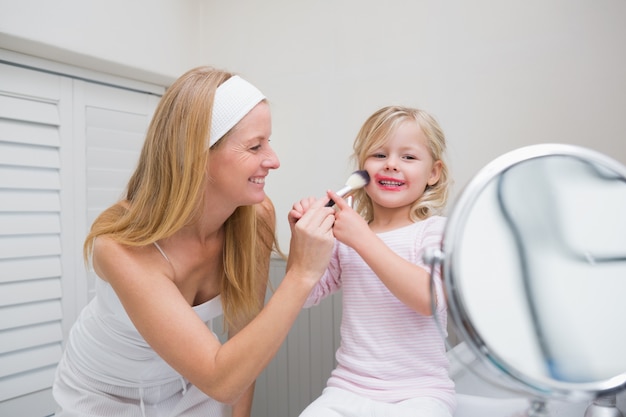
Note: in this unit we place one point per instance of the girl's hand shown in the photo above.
(350, 228)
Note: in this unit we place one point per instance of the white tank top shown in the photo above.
(105, 345)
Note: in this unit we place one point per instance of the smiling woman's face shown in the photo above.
(238, 166)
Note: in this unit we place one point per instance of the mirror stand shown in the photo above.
(604, 406)
(538, 408)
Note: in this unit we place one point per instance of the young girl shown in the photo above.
(392, 358)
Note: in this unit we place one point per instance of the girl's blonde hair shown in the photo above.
(375, 132)
(165, 193)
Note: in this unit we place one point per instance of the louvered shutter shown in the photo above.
(114, 123)
(67, 148)
(33, 108)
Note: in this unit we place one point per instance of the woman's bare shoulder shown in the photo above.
(113, 259)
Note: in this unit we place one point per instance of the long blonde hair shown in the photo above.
(376, 131)
(165, 193)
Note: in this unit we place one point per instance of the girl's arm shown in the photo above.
(410, 283)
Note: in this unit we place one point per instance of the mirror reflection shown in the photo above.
(536, 270)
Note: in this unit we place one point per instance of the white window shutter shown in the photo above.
(67, 148)
(113, 123)
(33, 107)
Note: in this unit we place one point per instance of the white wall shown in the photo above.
(150, 40)
(497, 75)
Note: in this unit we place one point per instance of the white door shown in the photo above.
(67, 147)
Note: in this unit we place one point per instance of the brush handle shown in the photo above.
(345, 190)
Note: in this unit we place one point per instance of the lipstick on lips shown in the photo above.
(389, 183)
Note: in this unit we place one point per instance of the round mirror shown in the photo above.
(534, 266)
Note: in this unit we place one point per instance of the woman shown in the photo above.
(192, 239)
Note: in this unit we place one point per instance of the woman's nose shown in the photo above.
(271, 161)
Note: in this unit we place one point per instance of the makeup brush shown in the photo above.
(356, 180)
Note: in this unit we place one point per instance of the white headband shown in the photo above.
(234, 98)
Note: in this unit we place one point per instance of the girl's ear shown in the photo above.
(435, 173)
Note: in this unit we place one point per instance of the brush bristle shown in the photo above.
(358, 179)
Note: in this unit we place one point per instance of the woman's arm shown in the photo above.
(243, 406)
(331, 280)
(166, 321)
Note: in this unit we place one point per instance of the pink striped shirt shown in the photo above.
(388, 352)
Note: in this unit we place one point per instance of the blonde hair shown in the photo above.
(165, 193)
(376, 131)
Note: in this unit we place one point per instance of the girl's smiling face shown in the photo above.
(401, 168)
(238, 167)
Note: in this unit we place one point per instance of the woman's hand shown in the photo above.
(312, 238)
(299, 209)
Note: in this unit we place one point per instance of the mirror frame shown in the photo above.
(457, 311)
